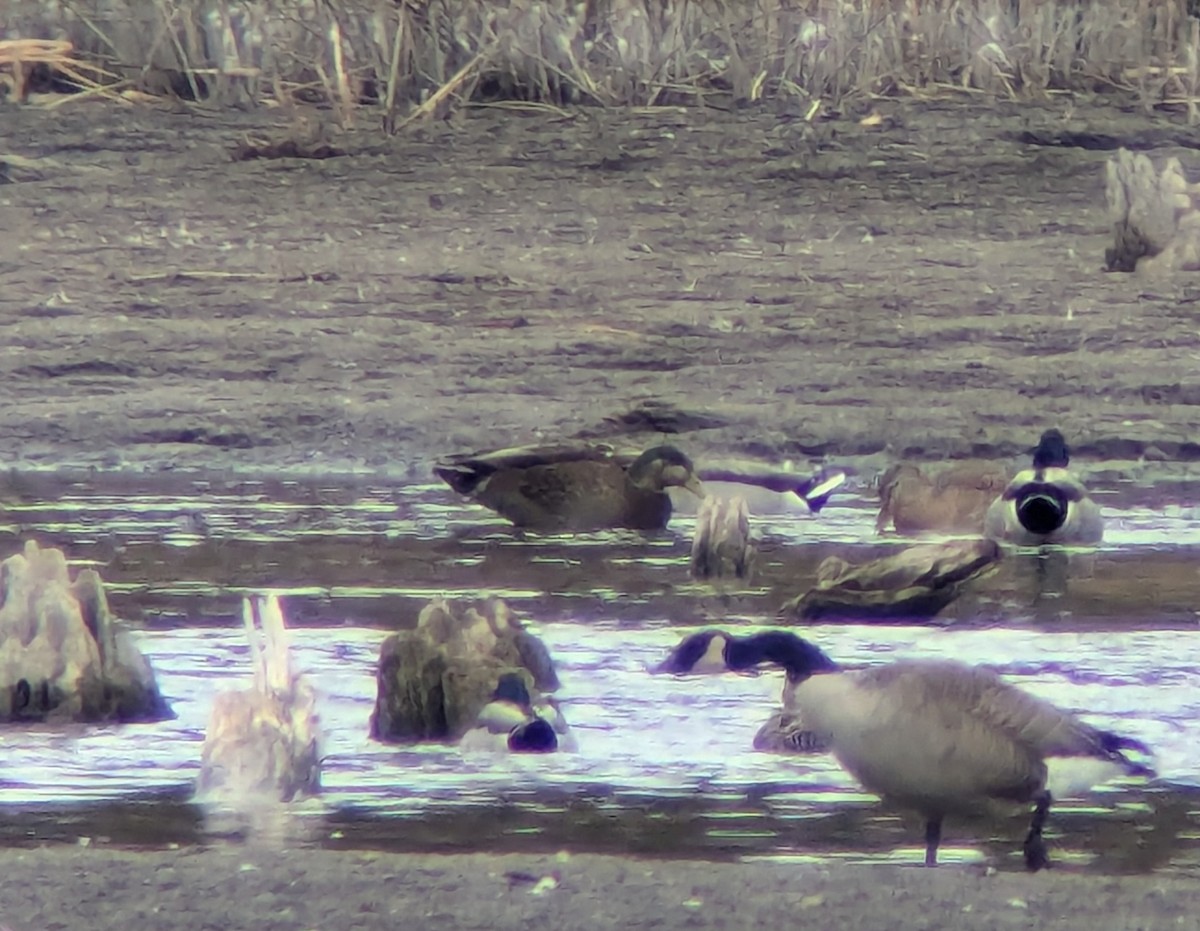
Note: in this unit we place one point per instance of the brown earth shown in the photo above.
(931, 285)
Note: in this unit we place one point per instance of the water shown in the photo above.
(664, 766)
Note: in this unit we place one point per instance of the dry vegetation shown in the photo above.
(416, 55)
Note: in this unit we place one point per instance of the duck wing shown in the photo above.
(465, 472)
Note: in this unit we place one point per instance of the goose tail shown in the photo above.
(1115, 747)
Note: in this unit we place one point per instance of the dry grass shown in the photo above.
(419, 57)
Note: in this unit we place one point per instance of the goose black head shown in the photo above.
(716, 651)
(662, 467)
(1051, 451)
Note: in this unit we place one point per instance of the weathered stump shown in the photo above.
(433, 681)
(63, 655)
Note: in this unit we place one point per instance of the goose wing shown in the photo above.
(950, 690)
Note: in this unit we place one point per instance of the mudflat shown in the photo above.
(225, 887)
(915, 278)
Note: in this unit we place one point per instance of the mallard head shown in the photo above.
(1051, 452)
(662, 467)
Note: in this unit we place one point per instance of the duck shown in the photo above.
(722, 547)
(936, 736)
(954, 499)
(572, 488)
(916, 582)
(951, 500)
(1045, 504)
(786, 732)
(579, 487)
(513, 721)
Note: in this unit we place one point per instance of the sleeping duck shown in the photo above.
(936, 736)
(1046, 503)
(513, 721)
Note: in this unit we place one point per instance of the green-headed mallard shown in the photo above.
(514, 721)
(936, 736)
(574, 487)
(1045, 504)
(950, 500)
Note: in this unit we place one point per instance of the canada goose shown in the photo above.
(952, 500)
(573, 487)
(512, 720)
(1045, 504)
(936, 736)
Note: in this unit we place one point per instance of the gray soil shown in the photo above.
(229, 888)
(928, 285)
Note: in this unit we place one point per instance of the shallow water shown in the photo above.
(665, 765)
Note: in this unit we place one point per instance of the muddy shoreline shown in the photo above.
(269, 888)
(930, 286)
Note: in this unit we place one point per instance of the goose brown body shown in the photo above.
(940, 737)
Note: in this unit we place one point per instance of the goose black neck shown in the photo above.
(799, 658)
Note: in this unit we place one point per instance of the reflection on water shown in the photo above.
(665, 765)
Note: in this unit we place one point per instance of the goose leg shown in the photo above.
(1035, 847)
(933, 837)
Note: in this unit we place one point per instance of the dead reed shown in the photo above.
(417, 57)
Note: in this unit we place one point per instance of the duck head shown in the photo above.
(662, 467)
(712, 651)
(1051, 451)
